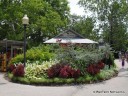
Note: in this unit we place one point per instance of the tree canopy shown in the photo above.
(84, 26)
(112, 17)
(47, 17)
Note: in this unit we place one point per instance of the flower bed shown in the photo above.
(58, 73)
(71, 66)
(103, 75)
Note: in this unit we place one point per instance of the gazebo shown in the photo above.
(72, 37)
(8, 49)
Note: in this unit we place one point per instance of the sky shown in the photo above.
(75, 8)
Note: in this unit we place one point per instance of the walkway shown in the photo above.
(117, 86)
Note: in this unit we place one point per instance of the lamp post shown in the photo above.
(101, 43)
(25, 22)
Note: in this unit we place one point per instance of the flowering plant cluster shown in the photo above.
(68, 72)
(38, 69)
(11, 67)
(100, 65)
(94, 69)
(63, 71)
(17, 70)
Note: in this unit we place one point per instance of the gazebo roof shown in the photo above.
(60, 40)
(69, 36)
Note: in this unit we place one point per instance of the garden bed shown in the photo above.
(88, 79)
(69, 64)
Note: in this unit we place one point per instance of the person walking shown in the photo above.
(123, 61)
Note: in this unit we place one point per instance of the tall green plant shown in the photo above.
(40, 53)
(79, 57)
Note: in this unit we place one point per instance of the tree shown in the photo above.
(112, 16)
(10, 15)
(47, 17)
(84, 26)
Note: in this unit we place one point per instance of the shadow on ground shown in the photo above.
(123, 72)
(2, 83)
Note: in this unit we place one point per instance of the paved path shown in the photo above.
(117, 86)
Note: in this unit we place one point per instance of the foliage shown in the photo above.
(112, 17)
(63, 71)
(40, 53)
(38, 69)
(107, 74)
(109, 56)
(19, 71)
(10, 16)
(79, 57)
(68, 72)
(100, 65)
(94, 69)
(54, 71)
(49, 17)
(75, 64)
(11, 67)
(88, 78)
(103, 75)
(84, 26)
(10, 75)
(17, 59)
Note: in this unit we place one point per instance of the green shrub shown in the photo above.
(10, 75)
(88, 78)
(17, 59)
(34, 54)
(38, 81)
(81, 79)
(58, 80)
(70, 80)
(79, 57)
(23, 80)
(106, 74)
(101, 76)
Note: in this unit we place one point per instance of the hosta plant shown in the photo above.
(38, 69)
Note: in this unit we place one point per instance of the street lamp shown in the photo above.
(101, 43)
(25, 22)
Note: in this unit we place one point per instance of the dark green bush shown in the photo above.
(79, 57)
